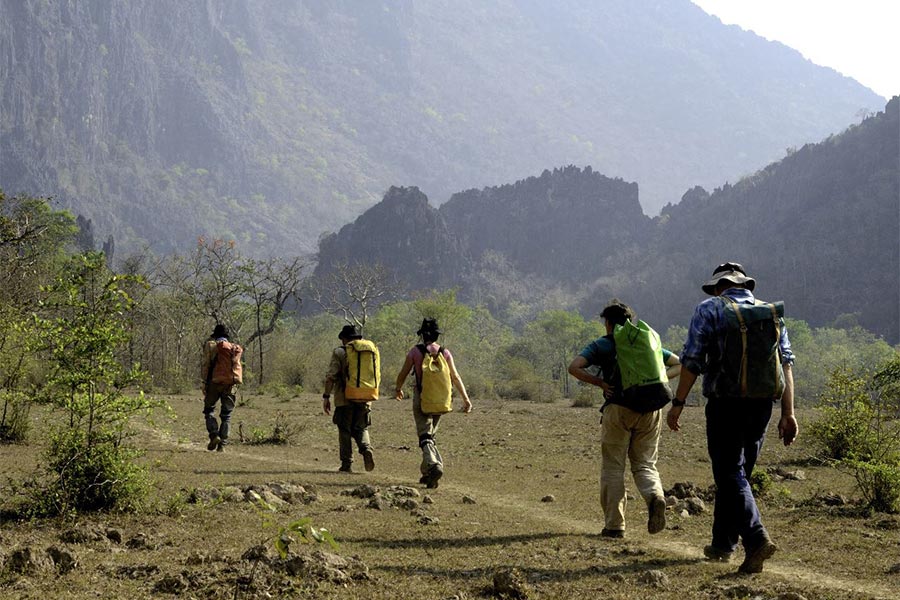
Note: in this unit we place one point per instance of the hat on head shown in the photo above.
(220, 331)
(430, 326)
(730, 271)
(349, 332)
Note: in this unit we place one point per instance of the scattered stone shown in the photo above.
(469, 500)
(509, 583)
(426, 499)
(695, 506)
(376, 502)
(406, 504)
(689, 489)
(549, 498)
(796, 475)
(324, 566)
(83, 533)
(26, 561)
(140, 542)
(894, 570)
(114, 535)
(63, 558)
(654, 577)
(671, 501)
(170, 584)
(833, 500)
(362, 491)
(232, 494)
(203, 495)
(403, 491)
(344, 508)
(428, 520)
(684, 514)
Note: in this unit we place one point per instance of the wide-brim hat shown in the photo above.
(349, 332)
(220, 331)
(430, 326)
(730, 271)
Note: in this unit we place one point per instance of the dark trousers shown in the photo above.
(735, 429)
(216, 393)
(353, 422)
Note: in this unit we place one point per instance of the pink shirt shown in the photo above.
(416, 356)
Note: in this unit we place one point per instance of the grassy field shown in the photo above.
(491, 513)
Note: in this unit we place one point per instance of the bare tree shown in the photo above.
(353, 290)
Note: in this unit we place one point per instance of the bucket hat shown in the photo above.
(730, 271)
(349, 332)
(429, 325)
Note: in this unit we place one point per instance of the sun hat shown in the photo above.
(430, 326)
(730, 271)
(349, 332)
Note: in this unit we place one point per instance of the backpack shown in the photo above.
(750, 365)
(435, 386)
(225, 367)
(645, 385)
(363, 375)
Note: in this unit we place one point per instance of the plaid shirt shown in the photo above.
(704, 337)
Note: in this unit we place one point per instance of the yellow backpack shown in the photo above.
(435, 386)
(363, 371)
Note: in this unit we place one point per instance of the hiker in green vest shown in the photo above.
(741, 347)
(435, 373)
(634, 371)
(352, 418)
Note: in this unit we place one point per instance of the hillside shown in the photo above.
(164, 120)
(819, 229)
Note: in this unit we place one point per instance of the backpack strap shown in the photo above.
(730, 303)
(212, 365)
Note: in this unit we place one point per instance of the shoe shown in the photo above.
(220, 447)
(369, 460)
(423, 479)
(753, 562)
(345, 469)
(213, 442)
(613, 533)
(432, 477)
(717, 554)
(656, 522)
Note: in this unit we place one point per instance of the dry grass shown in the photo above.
(507, 456)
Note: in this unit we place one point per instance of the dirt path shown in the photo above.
(790, 573)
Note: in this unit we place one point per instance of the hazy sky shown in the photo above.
(859, 38)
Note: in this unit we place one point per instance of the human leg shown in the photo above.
(432, 466)
(343, 419)
(210, 399)
(614, 441)
(362, 419)
(642, 454)
(227, 403)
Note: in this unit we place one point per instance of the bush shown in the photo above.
(760, 483)
(585, 397)
(102, 475)
(14, 425)
(845, 429)
(879, 484)
(282, 433)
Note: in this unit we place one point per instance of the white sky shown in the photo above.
(858, 38)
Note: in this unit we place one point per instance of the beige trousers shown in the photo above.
(635, 436)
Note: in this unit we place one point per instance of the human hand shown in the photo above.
(326, 405)
(672, 418)
(467, 405)
(398, 394)
(608, 391)
(788, 429)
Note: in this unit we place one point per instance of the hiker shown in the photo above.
(741, 347)
(631, 418)
(352, 415)
(435, 373)
(221, 370)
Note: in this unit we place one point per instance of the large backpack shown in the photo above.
(363, 371)
(226, 367)
(750, 364)
(435, 386)
(645, 385)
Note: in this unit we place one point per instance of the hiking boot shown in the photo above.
(753, 561)
(717, 554)
(369, 460)
(613, 533)
(423, 479)
(220, 447)
(213, 442)
(345, 469)
(432, 477)
(656, 522)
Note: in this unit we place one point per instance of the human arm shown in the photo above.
(674, 366)
(401, 377)
(332, 378)
(787, 425)
(458, 384)
(578, 370)
(685, 382)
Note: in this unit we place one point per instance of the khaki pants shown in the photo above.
(635, 436)
(426, 428)
(353, 421)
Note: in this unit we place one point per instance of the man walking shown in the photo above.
(741, 347)
(352, 418)
(221, 370)
(630, 426)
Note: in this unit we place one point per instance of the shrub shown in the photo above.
(14, 424)
(101, 475)
(760, 483)
(282, 433)
(879, 484)
(844, 430)
(585, 397)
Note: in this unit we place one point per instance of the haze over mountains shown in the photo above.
(272, 122)
(819, 229)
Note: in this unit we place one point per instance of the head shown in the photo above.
(728, 275)
(349, 333)
(616, 313)
(220, 331)
(429, 330)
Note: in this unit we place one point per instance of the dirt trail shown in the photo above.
(791, 573)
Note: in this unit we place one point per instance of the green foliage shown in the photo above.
(843, 431)
(14, 423)
(303, 532)
(281, 433)
(100, 473)
(760, 483)
(878, 482)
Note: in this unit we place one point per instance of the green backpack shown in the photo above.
(750, 365)
(645, 386)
